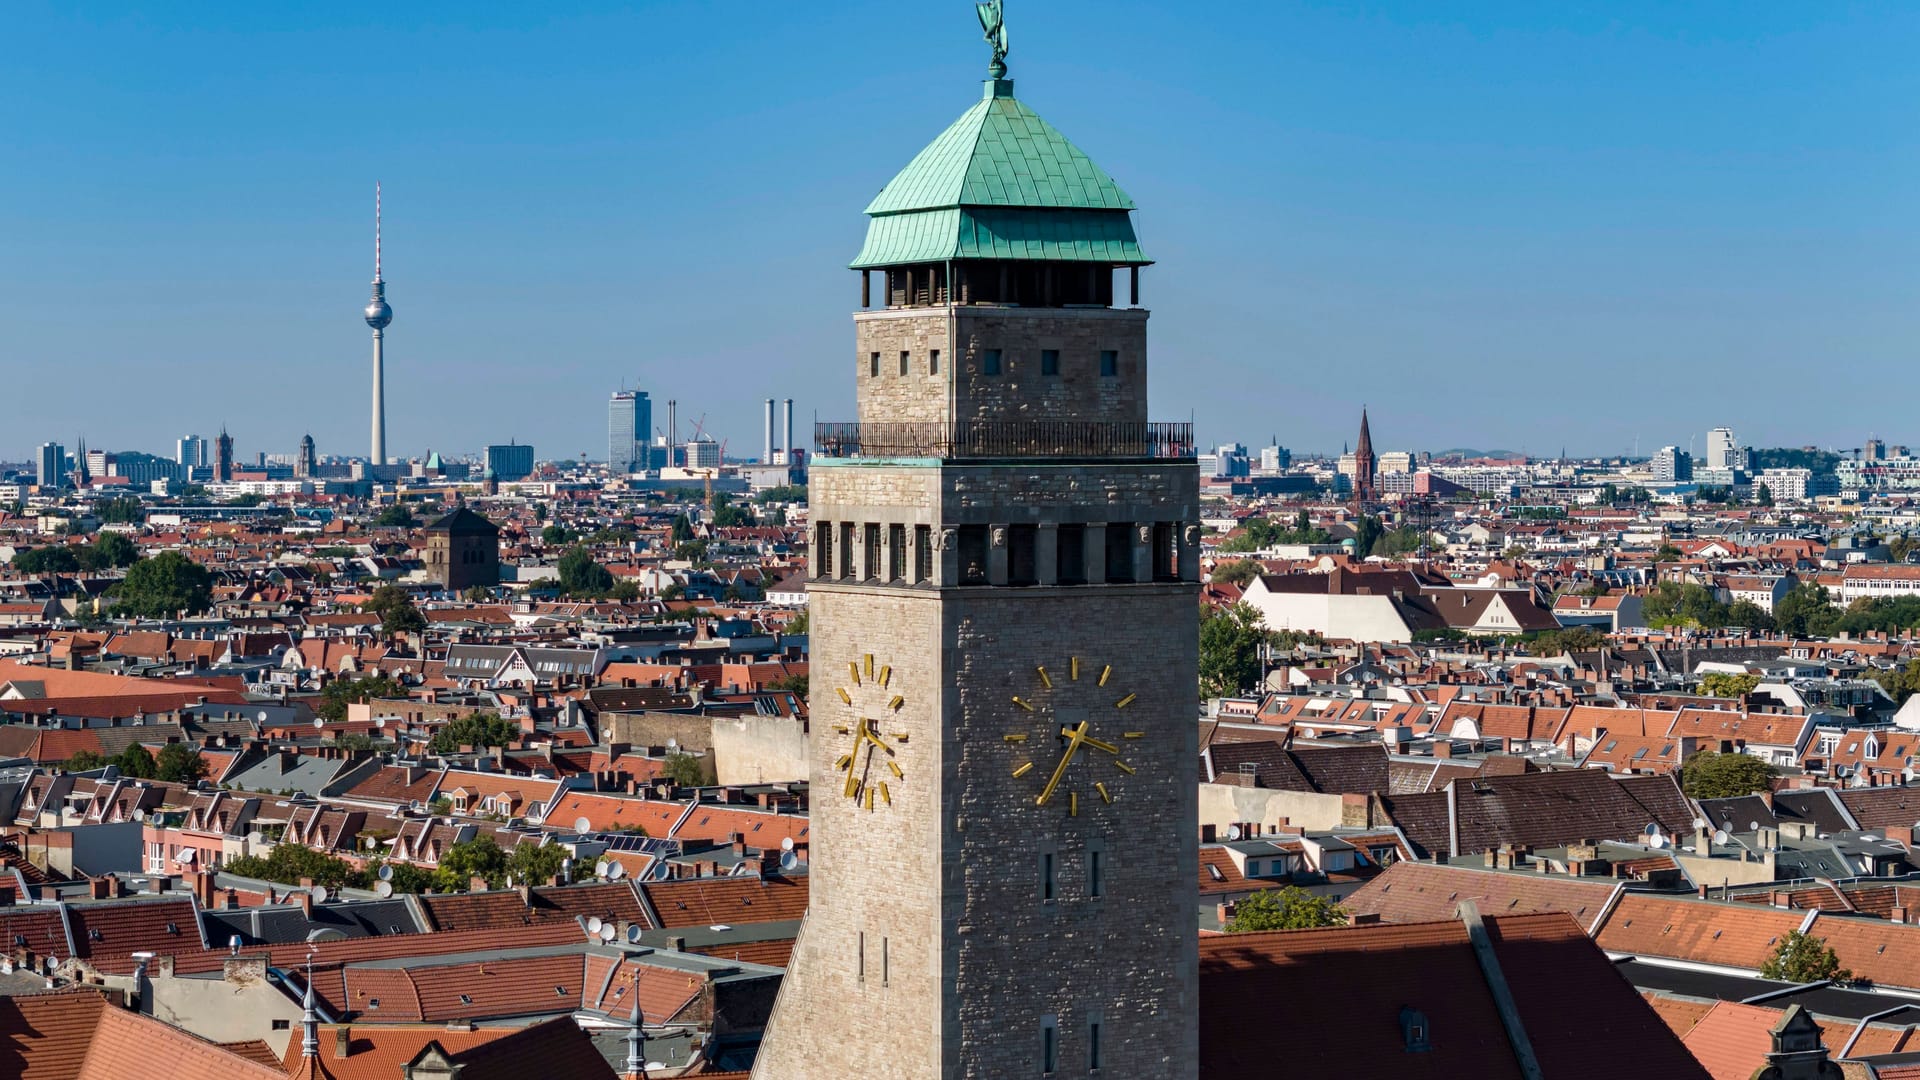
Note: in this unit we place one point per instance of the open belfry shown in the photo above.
(1003, 583)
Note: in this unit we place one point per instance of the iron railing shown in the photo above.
(1005, 438)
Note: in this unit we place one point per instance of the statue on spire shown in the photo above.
(994, 21)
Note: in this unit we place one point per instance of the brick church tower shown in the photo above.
(1366, 468)
(1004, 576)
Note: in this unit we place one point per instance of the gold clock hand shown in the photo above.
(1074, 737)
(1098, 745)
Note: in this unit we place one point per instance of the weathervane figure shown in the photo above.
(994, 21)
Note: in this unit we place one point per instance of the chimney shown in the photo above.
(342, 1041)
(739, 841)
(767, 457)
(305, 899)
(1208, 834)
(677, 944)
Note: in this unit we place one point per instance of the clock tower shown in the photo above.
(1003, 572)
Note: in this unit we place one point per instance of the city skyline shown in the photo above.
(1424, 236)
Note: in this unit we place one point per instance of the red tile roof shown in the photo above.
(729, 900)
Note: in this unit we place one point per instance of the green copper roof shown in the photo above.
(1000, 183)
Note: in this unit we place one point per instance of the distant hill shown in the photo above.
(1803, 457)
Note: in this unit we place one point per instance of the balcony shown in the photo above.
(1006, 439)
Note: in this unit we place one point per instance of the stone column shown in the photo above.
(1189, 552)
(1046, 553)
(1096, 544)
(946, 567)
(997, 555)
(1142, 539)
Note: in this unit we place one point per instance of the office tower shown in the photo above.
(629, 426)
(701, 453)
(50, 465)
(510, 462)
(1721, 449)
(1672, 465)
(379, 315)
(1003, 585)
(190, 452)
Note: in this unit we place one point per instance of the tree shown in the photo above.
(797, 625)
(179, 763)
(626, 590)
(1750, 615)
(1230, 641)
(479, 730)
(580, 576)
(136, 762)
(693, 551)
(791, 684)
(1237, 572)
(85, 761)
(1570, 640)
(397, 516)
(555, 535)
(1367, 531)
(687, 770)
(1764, 496)
(682, 529)
(290, 863)
(54, 559)
(1684, 604)
(726, 515)
(1806, 611)
(396, 609)
(479, 858)
(785, 493)
(1724, 776)
(114, 549)
(1667, 553)
(477, 594)
(120, 510)
(1802, 958)
(1899, 683)
(342, 692)
(1727, 685)
(1288, 908)
(535, 864)
(163, 586)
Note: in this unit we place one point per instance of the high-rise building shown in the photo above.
(1672, 465)
(50, 465)
(1003, 579)
(702, 453)
(190, 452)
(629, 423)
(379, 315)
(1875, 450)
(223, 457)
(1722, 448)
(510, 462)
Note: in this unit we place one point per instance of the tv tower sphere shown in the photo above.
(378, 313)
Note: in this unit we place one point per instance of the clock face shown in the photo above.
(1074, 747)
(869, 761)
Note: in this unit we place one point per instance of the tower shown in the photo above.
(1366, 467)
(629, 420)
(1004, 575)
(82, 476)
(223, 456)
(307, 463)
(379, 315)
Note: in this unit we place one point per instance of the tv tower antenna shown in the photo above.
(379, 315)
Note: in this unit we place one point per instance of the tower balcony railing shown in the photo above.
(1006, 439)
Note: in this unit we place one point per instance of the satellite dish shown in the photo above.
(256, 838)
(185, 857)
(661, 871)
(1753, 826)
(594, 923)
(600, 869)
(380, 722)
(1720, 836)
(1233, 832)
(139, 815)
(786, 843)
(319, 894)
(1657, 841)
(386, 872)
(1701, 823)
(581, 824)
(788, 860)
(633, 934)
(673, 744)
(616, 871)
(607, 932)
(383, 889)
(261, 716)
(1652, 829)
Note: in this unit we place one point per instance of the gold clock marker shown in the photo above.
(1104, 796)
(1024, 769)
(1045, 679)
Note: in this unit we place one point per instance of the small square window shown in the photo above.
(1049, 361)
(873, 365)
(1109, 362)
(906, 358)
(933, 361)
(990, 362)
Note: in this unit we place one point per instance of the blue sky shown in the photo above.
(1525, 225)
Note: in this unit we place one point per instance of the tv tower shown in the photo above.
(378, 316)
